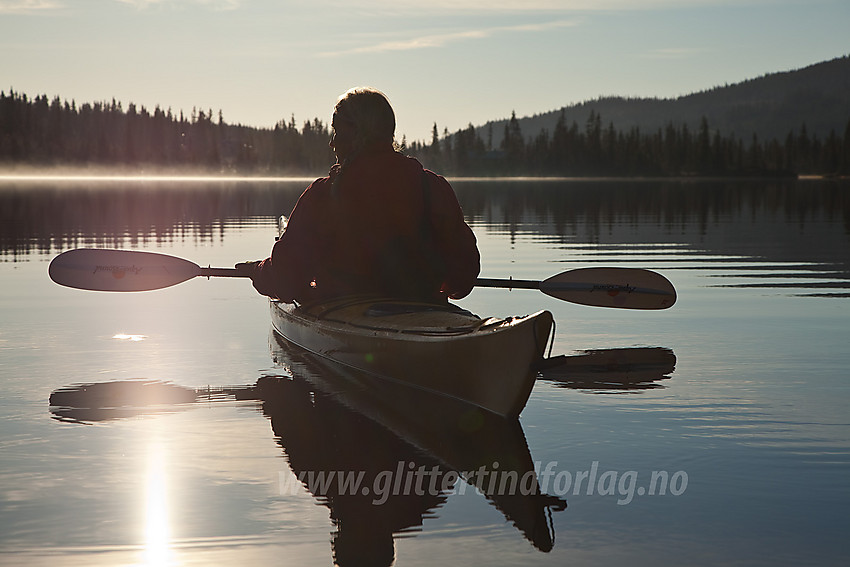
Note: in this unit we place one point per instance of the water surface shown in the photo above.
(734, 401)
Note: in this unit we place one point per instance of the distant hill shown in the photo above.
(770, 106)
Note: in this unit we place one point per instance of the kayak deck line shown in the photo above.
(448, 331)
(385, 308)
(379, 306)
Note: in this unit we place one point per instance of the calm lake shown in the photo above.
(714, 432)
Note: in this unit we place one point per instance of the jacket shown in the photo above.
(381, 224)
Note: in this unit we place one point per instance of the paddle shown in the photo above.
(129, 270)
(624, 288)
(97, 269)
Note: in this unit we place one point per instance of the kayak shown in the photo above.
(487, 362)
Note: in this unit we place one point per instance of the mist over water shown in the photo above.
(736, 397)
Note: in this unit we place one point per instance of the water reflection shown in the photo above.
(157, 523)
(392, 432)
(612, 370)
(797, 231)
(36, 214)
(324, 441)
(604, 370)
(591, 208)
(382, 457)
(106, 401)
(46, 216)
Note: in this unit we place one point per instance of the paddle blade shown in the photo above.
(119, 270)
(622, 288)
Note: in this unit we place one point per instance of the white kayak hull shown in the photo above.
(490, 363)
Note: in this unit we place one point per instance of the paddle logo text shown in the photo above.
(118, 271)
(612, 289)
(411, 478)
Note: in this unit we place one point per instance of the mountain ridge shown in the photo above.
(769, 106)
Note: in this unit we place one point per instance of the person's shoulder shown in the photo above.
(413, 166)
(320, 185)
(436, 180)
(315, 193)
(442, 194)
(323, 181)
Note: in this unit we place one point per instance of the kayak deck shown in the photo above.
(442, 348)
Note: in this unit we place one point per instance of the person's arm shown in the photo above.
(455, 240)
(287, 273)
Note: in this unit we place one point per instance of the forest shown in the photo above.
(41, 133)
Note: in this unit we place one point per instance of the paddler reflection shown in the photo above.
(340, 456)
(384, 463)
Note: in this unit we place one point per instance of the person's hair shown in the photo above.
(372, 115)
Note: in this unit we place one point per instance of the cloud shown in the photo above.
(28, 6)
(527, 6)
(440, 40)
(141, 3)
(221, 4)
(214, 4)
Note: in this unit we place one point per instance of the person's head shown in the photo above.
(362, 118)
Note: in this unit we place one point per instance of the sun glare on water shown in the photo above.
(127, 337)
(157, 542)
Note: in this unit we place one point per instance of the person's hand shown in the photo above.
(260, 278)
(248, 268)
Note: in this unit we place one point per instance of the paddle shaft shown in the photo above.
(480, 282)
(507, 284)
(574, 292)
(221, 273)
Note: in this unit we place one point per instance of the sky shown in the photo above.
(449, 62)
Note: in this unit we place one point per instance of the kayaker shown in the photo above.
(379, 223)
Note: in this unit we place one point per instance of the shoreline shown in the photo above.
(71, 174)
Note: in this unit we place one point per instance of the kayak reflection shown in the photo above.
(415, 447)
(325, 441)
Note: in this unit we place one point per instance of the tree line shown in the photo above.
(50, 132)
(41, 132)
(597, 150)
